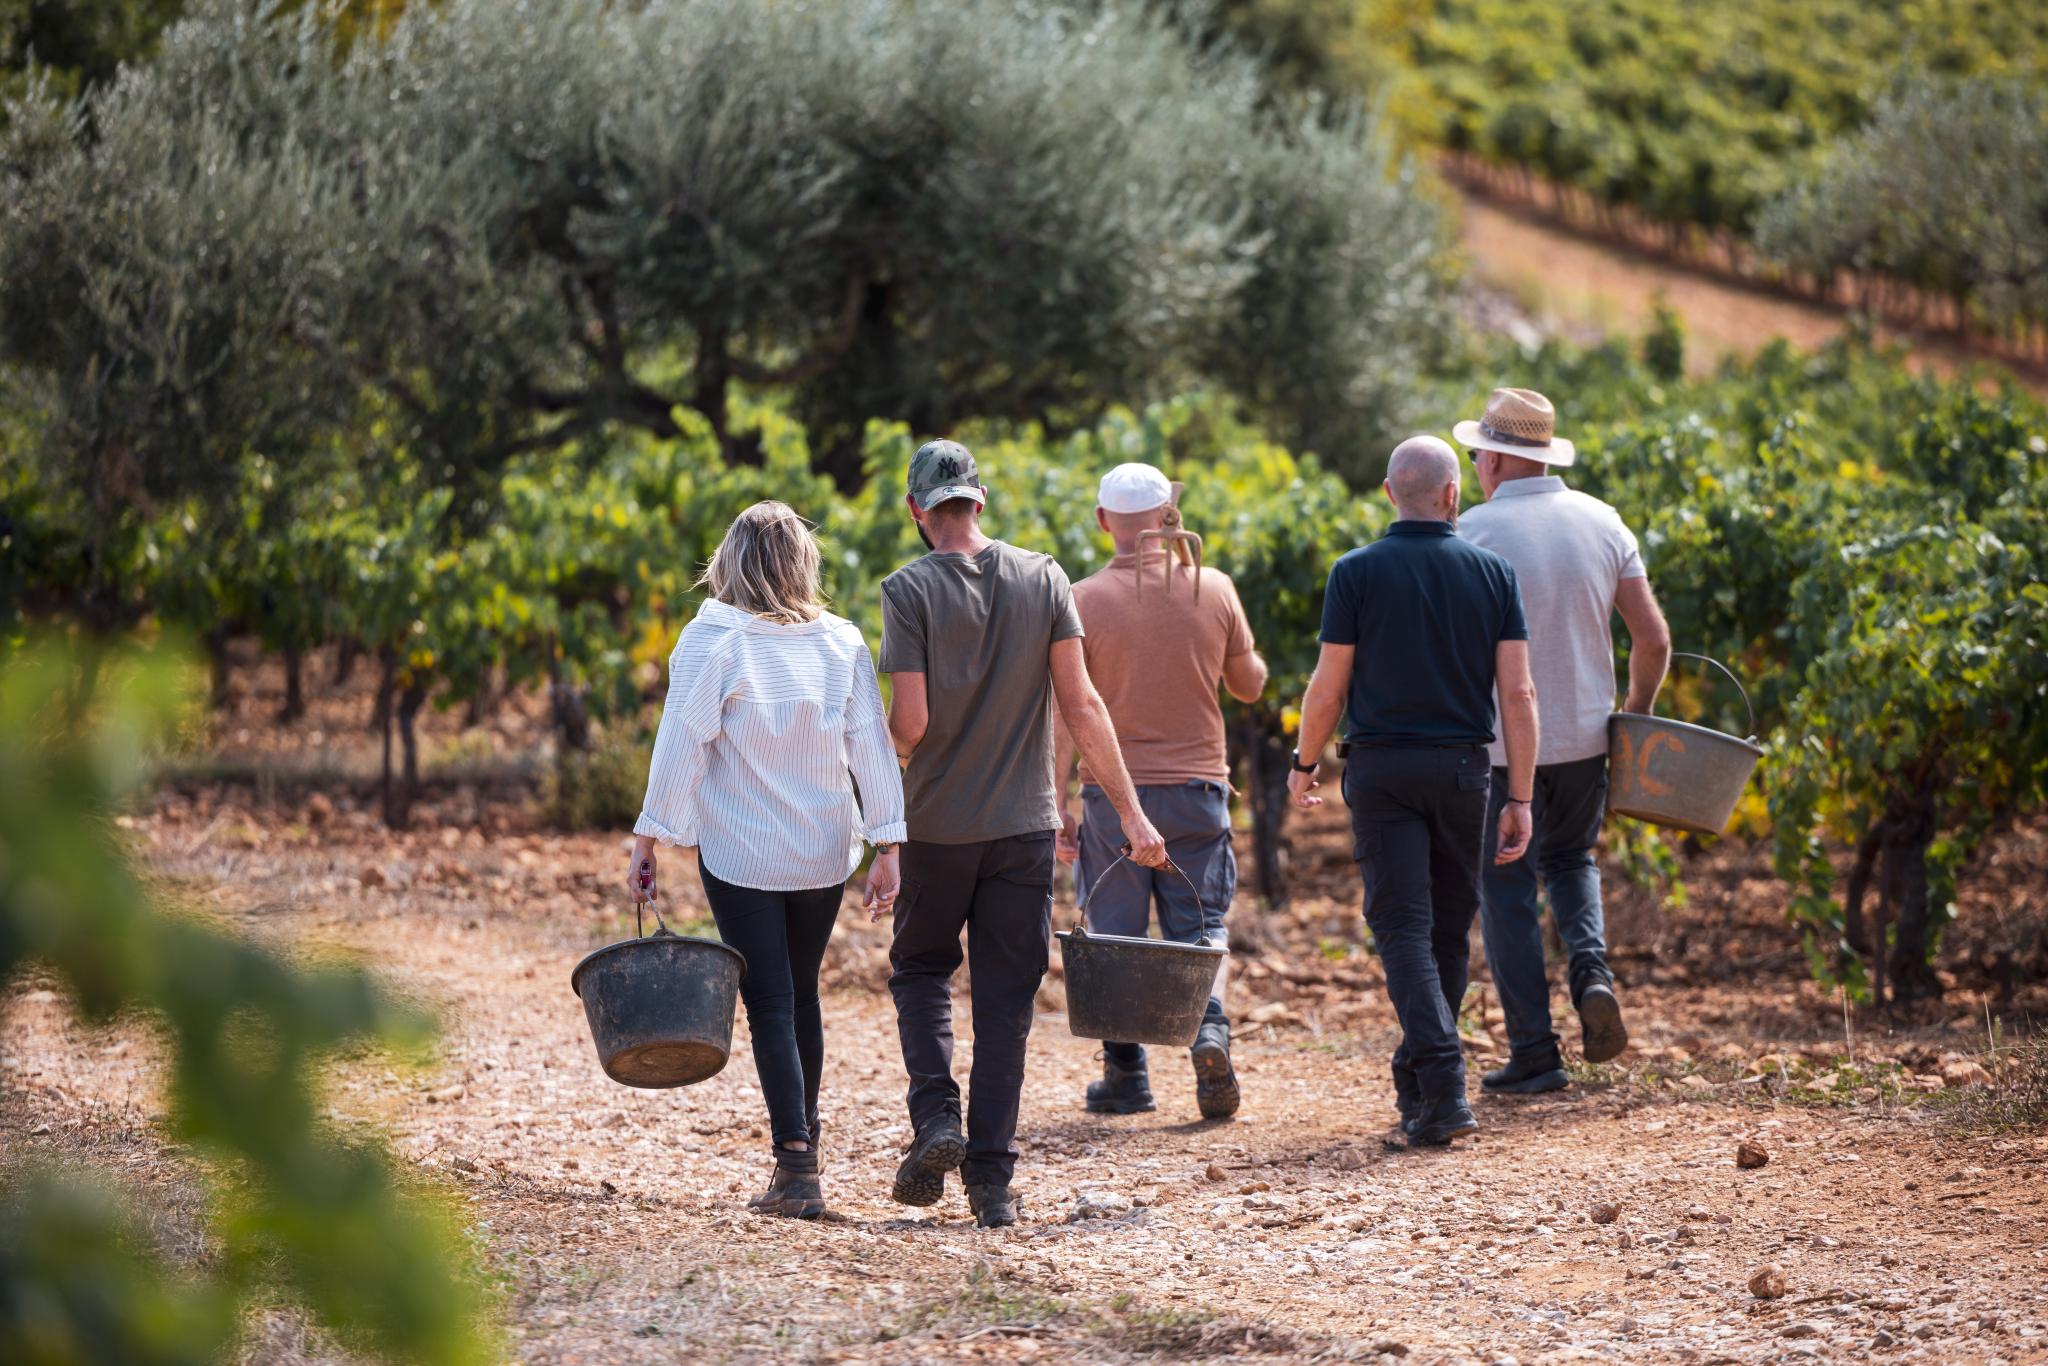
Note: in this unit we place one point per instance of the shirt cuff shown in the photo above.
(653, 828)
(894, 833)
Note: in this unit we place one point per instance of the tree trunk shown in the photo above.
(1854, 932)
(218, 667)
(569, 708)
(1913, 946)
(395, 809)
(294, 686)
(409, 703)
(345, 656)
(1267, 759)
(710, 387)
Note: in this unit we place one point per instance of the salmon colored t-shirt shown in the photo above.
(1158, 664)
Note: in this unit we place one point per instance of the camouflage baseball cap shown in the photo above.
(941, 470)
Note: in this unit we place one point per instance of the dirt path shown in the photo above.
(615, 1219)
(1579, 286)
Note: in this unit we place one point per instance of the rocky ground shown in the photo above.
(1898, 1211)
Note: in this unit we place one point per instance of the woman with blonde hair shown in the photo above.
(773, 717)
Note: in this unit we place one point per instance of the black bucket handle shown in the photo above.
(639, 921)
(1729, 674)
(1081, 925)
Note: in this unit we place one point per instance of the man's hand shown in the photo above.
(1302, 788)
(885, 881)
(1067, 844)
(640, 869)
(1145, 843)
(1515, 829)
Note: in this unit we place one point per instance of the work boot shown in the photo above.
(1440, 1121)
(770, 1201)
(1407, 1098)
(797, 1174)
(1603, 1035)
(1123, 1090)
(938, 1149)
(1527, 1076)
(1216, 1093)
(993, 1206)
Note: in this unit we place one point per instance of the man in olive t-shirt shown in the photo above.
(978, 637)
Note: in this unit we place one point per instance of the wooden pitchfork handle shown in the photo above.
(1185, 545)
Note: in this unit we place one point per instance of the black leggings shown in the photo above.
(783, 937)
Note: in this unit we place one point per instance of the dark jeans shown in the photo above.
(1571, 801)
(1000, 891)
(1416, 818)
(782, 935)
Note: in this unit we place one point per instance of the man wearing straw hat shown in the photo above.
(1163, 632)
(1417, 629)
(1578, 564)
(978, 638)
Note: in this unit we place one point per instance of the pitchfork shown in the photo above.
(1185, 544)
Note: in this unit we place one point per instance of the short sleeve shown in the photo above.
(1513, 626)
(1628, 556)
(903, 631)
(1066, 618)
(1340, 606)
(1237, 635)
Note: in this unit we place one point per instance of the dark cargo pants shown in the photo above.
(1000, 892)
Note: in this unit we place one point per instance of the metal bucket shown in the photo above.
(1136, 990)
(660, 1006)
(1674, 774)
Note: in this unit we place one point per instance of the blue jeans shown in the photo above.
(1571, 801)
(1194, 819)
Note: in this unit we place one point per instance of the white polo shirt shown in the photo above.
(1570, 551)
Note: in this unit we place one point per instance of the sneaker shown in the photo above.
(938, 1149)
(1526, 1077)
(1122, 1091)
(1439, 1122)
(1216, 1093)
(993, 1206)
(1604, 1035)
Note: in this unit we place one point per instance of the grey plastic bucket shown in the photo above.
(1136, 990)
(1674, 774)
(660, 1007)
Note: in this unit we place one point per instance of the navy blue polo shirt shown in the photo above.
(1425, 609)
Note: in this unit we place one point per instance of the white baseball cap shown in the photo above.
(1134, 487)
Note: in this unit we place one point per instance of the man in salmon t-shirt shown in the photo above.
(1156, 653)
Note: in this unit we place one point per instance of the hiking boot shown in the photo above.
(796, 1176)
(1603, 1034)
(1122, 1090)
(938, 1149)
(1407, 1099)
(993, 1206)
(1216, 1093)
(1440, 1121)
(1527, 1076)
(770, 1201)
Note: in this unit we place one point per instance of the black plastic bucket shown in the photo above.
(660, 1007)
(1136, 990)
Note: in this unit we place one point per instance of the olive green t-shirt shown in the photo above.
(980, 628)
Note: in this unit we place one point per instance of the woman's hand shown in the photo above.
(640, 869)
(885, 881)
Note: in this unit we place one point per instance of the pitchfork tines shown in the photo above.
(1185, 545)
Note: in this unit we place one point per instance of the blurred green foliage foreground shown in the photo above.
(296, 1210)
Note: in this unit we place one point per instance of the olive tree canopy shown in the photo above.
(514, 224)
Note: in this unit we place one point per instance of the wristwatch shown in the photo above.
(1299, 766)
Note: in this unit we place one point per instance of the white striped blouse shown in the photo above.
(768, 728)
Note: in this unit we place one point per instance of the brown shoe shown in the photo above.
(796, 1183)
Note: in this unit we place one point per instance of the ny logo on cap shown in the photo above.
(949, 468)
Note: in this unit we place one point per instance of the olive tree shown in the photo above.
(511, 227)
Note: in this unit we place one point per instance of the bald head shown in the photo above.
(1422, 478)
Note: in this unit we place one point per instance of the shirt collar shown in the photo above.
(1540, 483)
(1412, 527)
(1125, 560)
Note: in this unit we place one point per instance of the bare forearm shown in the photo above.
(1245, 676)
(1092, 731)
(1062, 754)
(1648, 661)
(1520, 733)
(1322, 705)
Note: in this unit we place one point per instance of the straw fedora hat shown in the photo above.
(1517, 422)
